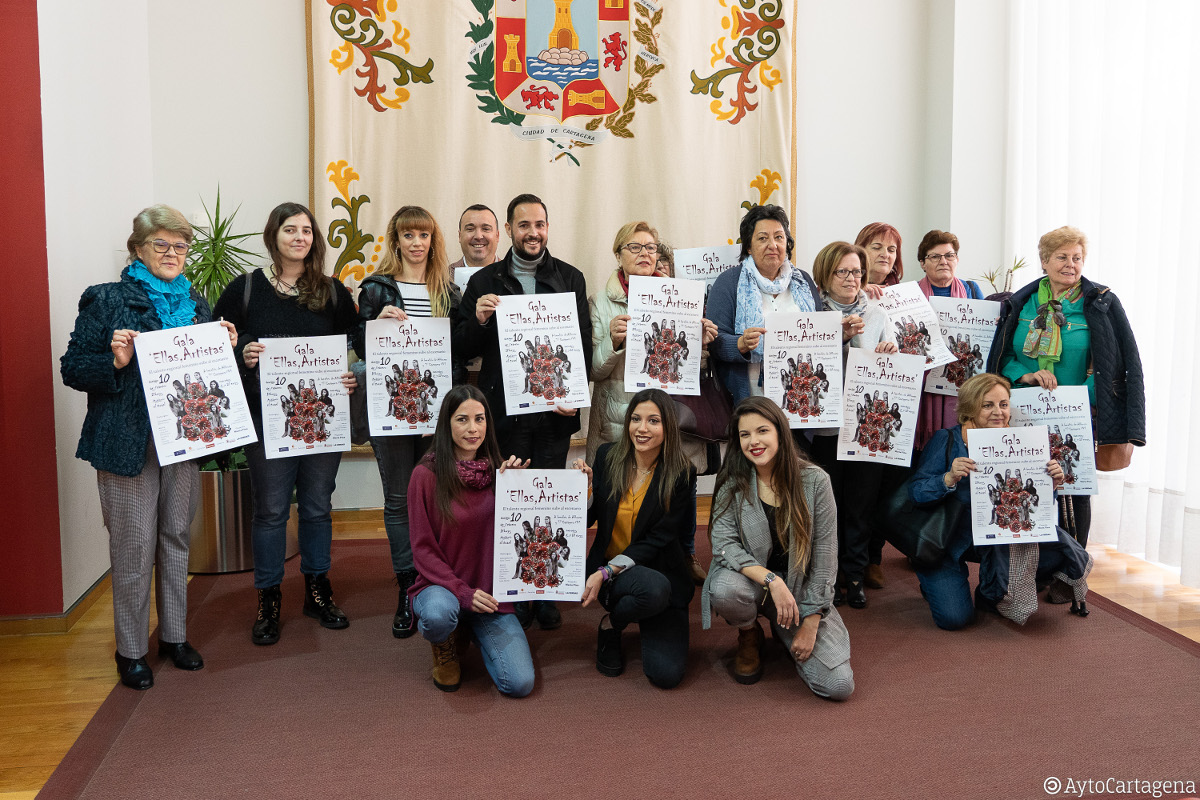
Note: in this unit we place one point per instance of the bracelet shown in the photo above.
(607, 572)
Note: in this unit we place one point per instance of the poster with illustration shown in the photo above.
(915, 324)
(541, 535)
(662, 342)
(541, 353)
(706, 264)
(802, 367)
(408, 374)
(305, 407)
(880, 399)
(193, 392)
(967, 327)
(1067, 414)
(1012, 496)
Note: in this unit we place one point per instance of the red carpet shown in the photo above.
(990, 712)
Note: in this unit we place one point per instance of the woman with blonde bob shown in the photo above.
(773, 530)
(412, 280)
(1008, 574)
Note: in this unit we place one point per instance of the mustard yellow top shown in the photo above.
(627, 511)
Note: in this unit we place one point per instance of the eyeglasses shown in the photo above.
(161, 246)
(938, 258)
(635, 248)
(843, 273)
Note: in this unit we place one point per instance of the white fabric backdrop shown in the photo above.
(1104, 125)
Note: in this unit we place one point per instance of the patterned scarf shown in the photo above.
(172, 300)
(846, 309)
(751, 287)
(475, 474)
(1044, 340)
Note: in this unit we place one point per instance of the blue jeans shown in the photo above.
(313, 477)
(500, 637)
(396, 456)
(946, 588)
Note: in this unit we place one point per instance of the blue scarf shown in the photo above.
(752, 284)
(172, 300)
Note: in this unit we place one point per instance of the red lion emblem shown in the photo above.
(538, 97)
(614, 51)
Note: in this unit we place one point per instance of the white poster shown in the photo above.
(462, 275)
(1067, 414)
(662, 343)
(914, 323)
(706, 263)
(1011, 493)
(881, 396)
(802, 367)
(541, 353)
(305, 407)
(408, 374)
(193, 392)
(541, 535)
(967, 327)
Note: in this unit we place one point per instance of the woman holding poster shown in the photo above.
(938, 254)
(291, 298)
(412, 279)
(774, 547)
(839, 269)
(610, 324)
(147, 507)
(766, 281)
(1066, 330)
(644, 503)
(452, 514)
(945, 470)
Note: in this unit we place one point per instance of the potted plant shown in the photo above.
(1004, 275)
(220, 533)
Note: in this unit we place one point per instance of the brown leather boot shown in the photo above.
(874, 577)
(747, 661)
(447, 674)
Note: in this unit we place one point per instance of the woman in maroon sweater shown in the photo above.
(451, 512)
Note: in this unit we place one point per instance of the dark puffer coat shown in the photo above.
(1120, 413)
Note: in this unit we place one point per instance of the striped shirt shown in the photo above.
(416, 299)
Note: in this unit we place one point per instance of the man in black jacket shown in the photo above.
(527, 268)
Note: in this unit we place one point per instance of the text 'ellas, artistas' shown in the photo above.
(1011, 447)
(543, 492)
(887, 372)
(188, 350)
(304, 356)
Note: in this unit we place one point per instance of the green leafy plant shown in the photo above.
(214, 260)
(216, 257)
(1004, 275)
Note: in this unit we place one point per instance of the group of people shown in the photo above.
(781, 549)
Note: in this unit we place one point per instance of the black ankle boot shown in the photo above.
(266, 626)
(403, 623)
(318, 602)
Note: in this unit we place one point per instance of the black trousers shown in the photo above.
(856, 490)
(643, 595)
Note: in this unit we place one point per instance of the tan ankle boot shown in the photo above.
(747, 661)
(874, 577)
(447, 674)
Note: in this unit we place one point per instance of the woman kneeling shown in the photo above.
(774, 542)
(644, 502)
(452, 511)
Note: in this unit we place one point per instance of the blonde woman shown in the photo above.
(412, 280)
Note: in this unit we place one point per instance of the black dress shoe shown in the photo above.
(1079, 608)
(548, 616)
(182, 655)
(135, 672)
(839, 595)
(856, 594)
(524, 612)
(610, 660)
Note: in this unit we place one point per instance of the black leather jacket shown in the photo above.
(378, 291)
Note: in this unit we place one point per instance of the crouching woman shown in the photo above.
(774, 542)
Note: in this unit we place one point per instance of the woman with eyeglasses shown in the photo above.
(839, 269)
(412, 280)
(147, 507)
(636, 250)
(292, 297)
(938, 254)
(1066, 330)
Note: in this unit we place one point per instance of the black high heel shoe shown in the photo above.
(135, 672)
(1079, 608)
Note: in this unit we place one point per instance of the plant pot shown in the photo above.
(220, 534)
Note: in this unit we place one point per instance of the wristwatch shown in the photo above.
(770, 576)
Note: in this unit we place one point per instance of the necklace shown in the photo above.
(281, 286)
